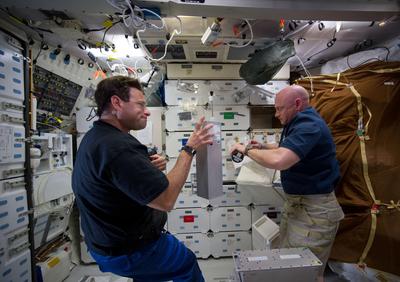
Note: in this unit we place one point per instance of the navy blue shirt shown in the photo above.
(113, 181)
(309, 137)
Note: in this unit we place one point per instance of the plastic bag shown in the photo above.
(262, 67)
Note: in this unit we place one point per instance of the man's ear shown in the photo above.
(297, 102)
(115, 102)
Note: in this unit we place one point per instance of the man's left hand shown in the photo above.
(239, 147)
(158, 161)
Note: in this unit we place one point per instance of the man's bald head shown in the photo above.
(289, 101)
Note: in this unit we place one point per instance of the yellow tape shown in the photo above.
(108, 23)
(53, 262)
(372, 231)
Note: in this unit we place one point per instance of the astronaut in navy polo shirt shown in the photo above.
(123, 195)
(306, 157)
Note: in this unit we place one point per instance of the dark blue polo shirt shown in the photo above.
(113, 181)
(317, 172)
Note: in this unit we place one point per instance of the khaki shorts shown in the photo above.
(311, 221)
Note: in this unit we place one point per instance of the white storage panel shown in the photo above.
(231, 117)
(198, 243)
(188, 220)
(18, 268)
(181, 119)
(273, 87)
(11, 71)
(180, 92)
(12, 143)
(225, 92)
(233, 196)
(13, 210)
(223, 244)
(230, 219)
(187, 198)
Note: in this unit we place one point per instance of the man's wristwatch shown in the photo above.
(189, 150)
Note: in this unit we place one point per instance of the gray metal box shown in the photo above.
(294, 264)
(209, 166)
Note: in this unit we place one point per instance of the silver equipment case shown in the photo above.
(293, 264)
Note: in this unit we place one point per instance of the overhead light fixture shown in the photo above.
(382, 23)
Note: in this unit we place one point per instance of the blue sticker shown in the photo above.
(16, 91)
(17, 70)
(20, 219)
(23, 261)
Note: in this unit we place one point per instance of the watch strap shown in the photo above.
(189, 150)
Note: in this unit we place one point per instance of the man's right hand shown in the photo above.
(201, 134)
(257, 145)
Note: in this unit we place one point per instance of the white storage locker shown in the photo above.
(233, 196)
(180, 92)
(13, 210)
(11, 242)
(272, 86)
(230, 219)
(229, 173)
(187, 198)
(18, 268)
(174, 142)
(263, 195)
(12, 142)
(188, 220)
(272, 212)
(12, 170)
(181, 119)
(192, 172)
(225, 92)
(231, 117)
(11, 70)
(9, 105)
(8, 185)
(223, 244)
(228, 138)
(198, 243)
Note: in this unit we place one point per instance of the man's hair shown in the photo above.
(116, 85)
